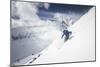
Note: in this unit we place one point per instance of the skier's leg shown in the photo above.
(66, 38)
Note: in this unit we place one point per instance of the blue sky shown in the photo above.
(74, 11)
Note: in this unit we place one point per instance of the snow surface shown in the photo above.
(80, 48)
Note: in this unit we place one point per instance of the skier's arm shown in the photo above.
(70, 32)
(62, 36)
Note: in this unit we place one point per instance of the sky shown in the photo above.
(67, 9)
(27, 13)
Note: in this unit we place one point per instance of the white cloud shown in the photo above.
(28, 14)
(46, 5)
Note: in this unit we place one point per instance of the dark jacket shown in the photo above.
(66, 33)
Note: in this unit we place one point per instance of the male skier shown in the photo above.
(67, 34)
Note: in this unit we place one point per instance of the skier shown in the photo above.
(67, 34)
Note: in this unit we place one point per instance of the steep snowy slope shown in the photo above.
(80, 48)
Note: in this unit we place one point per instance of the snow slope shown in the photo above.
(80, 48)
